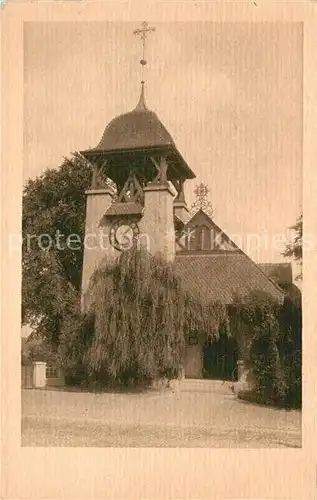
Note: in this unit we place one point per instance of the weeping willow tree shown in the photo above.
(137, 323)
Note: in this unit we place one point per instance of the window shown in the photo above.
(192, 339)
(51, 372)
(205, 235)
(202, 241)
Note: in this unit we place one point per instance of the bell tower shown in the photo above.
(137, 190)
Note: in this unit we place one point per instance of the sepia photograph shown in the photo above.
(162, 234)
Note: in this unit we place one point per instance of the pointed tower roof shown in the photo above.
(135, 133)
(137, 129)
(141, 106)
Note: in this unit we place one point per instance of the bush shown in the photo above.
(266, 369)
(37, 349)
(274, 350)
(256, 396)
(289, 344)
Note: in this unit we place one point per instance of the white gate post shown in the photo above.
(39, 374)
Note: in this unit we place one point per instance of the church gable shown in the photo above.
(201, 234)
(210, 264)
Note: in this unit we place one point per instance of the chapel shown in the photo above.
(137, 195)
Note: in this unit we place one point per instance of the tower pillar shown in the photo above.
(96, 241)
(157, 225)
(181, 210)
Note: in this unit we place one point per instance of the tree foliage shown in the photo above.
(295, 248)
(37, 349)
(138, 320)
(53, 204)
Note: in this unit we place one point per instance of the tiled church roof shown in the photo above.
(221, 276)
(128, 208)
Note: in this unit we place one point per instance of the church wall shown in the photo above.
(193, 362)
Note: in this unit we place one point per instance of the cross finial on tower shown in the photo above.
(143, 33)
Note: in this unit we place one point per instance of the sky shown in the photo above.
(230, 94)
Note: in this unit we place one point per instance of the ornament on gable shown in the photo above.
(201, 202)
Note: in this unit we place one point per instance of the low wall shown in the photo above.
(27, 376)
(38, 375)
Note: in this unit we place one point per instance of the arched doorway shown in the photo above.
(220, 358)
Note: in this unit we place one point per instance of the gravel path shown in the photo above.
(203, 414)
